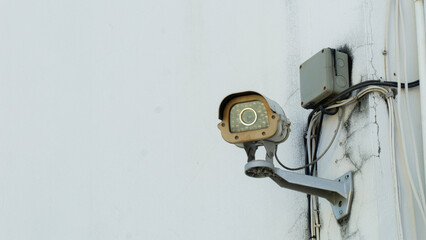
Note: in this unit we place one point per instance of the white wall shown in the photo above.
(108, 113)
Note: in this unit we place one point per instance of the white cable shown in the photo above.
(398, 113)
(419, 8)
(314, 199)
(314, 217)
(308, 138)
(410, 177)
(314, 213)
(309, 148)
(317, 225)
(393, 168)
(313, 138)
(334, 135)
(391, 130)
(398, 79)
(386, 93)
(359, 95)
(407, 101)
(331, 141)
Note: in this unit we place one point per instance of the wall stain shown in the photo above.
(362, 117)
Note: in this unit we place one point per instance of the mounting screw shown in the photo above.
(347, 176)
(340, 211)
(324, 88)
(385, 52)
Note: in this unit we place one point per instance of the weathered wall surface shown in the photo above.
(108, 113)
(363, 145)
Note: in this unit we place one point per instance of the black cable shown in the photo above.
(309, 214)
(308, 196)
(346, 92)
(317, 139)
(306, 167)
(340, 96)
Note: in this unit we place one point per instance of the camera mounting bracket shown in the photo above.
(338, 192)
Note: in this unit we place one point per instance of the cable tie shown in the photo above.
(394, 92)
(390, 94)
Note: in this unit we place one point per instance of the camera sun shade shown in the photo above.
(249, 116)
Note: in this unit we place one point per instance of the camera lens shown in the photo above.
(248, 116)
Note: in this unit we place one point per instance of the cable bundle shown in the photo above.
(334, 106)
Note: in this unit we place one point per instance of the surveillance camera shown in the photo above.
(250, 120)
(251, 117)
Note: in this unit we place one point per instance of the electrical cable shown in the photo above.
(310, 139)
(311, 142)
(313, 222)
(407, 102)
(314, 200)
(308, 196)
(398, 119)
(402, 133)
(344, 93)
(317, 159)
(394, 168)
(315, 118)
(317, 134)
(351, 100)
(410, 177)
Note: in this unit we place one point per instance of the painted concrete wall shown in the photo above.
(108, 113)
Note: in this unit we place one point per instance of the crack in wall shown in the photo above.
(353, 234)
(361, 123)
(353, 152)
(377, 125)
(302, 216)
(291, 95)
(369, 35)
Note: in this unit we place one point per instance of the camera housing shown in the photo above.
(250, 117)
(250, 120)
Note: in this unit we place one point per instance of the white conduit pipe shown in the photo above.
(421, 49)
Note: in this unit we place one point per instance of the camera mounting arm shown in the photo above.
(338, 192)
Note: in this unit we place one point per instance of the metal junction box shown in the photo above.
(322, 76)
